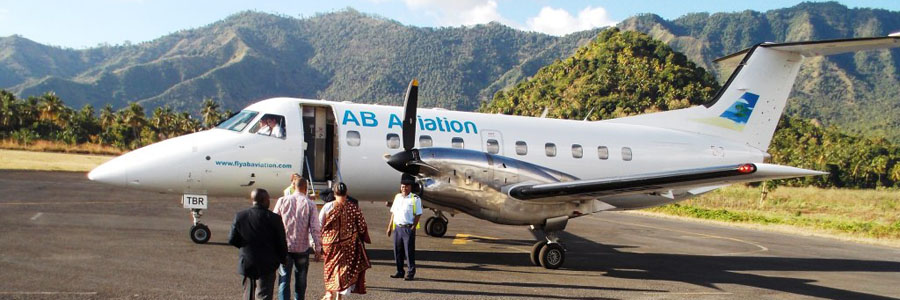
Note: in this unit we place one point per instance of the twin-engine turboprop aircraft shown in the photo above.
(505, 169)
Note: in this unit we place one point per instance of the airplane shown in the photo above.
(513, 170)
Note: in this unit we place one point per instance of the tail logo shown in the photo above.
(737, 115)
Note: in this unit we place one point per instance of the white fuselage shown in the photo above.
(221, 162)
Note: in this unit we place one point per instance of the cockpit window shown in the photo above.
(239, 121)
(270, 125)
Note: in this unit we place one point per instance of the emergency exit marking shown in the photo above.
(194, 201)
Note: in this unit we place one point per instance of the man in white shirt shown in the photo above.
(269, 126)
(300, 218)
(405, 213)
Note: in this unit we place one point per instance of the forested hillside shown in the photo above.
(342, 56)
(858, 92)
(616, 75)
(351, 56)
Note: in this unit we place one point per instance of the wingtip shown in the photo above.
(415, 82)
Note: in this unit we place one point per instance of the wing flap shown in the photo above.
(661, 183)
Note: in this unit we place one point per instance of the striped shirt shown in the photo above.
(300, 221)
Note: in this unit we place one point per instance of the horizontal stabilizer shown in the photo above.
(819, 48)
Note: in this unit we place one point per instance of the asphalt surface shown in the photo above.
(64, 237)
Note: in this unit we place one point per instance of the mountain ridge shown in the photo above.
(353, 56)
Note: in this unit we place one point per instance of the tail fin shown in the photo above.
(748, 107)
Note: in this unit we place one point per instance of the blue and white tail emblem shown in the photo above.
(737, 115)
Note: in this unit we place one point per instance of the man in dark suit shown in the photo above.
(259, 233)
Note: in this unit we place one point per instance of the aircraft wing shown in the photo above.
(662, 182)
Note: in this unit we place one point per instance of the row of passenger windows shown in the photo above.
(492, 146)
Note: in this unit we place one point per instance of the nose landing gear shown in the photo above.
(200, 233)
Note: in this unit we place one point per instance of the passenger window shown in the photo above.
(577, 151)
(493, 147)
(458, 142)
(626, 153)
(425, 141)
(393, 140)
(353, 138)
(550, 149)
(269, 125)
(521, 148)
(603, 152)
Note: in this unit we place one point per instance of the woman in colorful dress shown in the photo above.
(344, 234)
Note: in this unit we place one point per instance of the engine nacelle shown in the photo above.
(472, 182)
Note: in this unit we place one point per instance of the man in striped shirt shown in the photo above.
(301, 221)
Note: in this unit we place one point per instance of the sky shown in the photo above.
(88, 23)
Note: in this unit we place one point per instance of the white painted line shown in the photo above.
(36, 216)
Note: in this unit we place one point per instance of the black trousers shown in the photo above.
(405, 250)
(262, 288)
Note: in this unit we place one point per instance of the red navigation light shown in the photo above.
(746, 169)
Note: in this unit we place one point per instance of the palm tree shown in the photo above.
(163, 120)
(52, 109)
(210, 113)
(107, 116)
(9, 111)
(133, 116)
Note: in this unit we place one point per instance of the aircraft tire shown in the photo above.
(536, 252)
(428, 225)
(200, 234)
(552, 256)
(437, 227)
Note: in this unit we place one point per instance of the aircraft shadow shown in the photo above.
(607, 261)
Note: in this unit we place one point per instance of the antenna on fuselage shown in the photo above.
(544, 114)
(589, 113)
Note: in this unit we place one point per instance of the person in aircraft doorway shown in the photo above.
(405, 213)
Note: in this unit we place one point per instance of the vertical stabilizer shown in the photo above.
(748, 107)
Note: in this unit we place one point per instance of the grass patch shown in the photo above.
(49, 161)
(54, 146)
(857, 213)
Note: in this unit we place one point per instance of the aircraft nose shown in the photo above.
(111, 172)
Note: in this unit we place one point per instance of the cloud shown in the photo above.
(459, 12)
(556, 21)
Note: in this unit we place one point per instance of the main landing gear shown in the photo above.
(436, 226)
(200, 234)
(548, 252)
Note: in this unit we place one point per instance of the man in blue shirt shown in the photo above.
(405, 213)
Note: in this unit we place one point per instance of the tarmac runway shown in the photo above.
(64, 237)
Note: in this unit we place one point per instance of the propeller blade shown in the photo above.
(409, 115)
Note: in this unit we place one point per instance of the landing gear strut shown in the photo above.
(199, 233)
(436, 226)
(547, 252)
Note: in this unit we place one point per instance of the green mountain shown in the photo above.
(350, 56)
(343, 56)
(857, 92)
(616, 75)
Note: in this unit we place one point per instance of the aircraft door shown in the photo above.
(318, 132)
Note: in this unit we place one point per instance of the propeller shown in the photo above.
(408, 161)
(410, 104)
